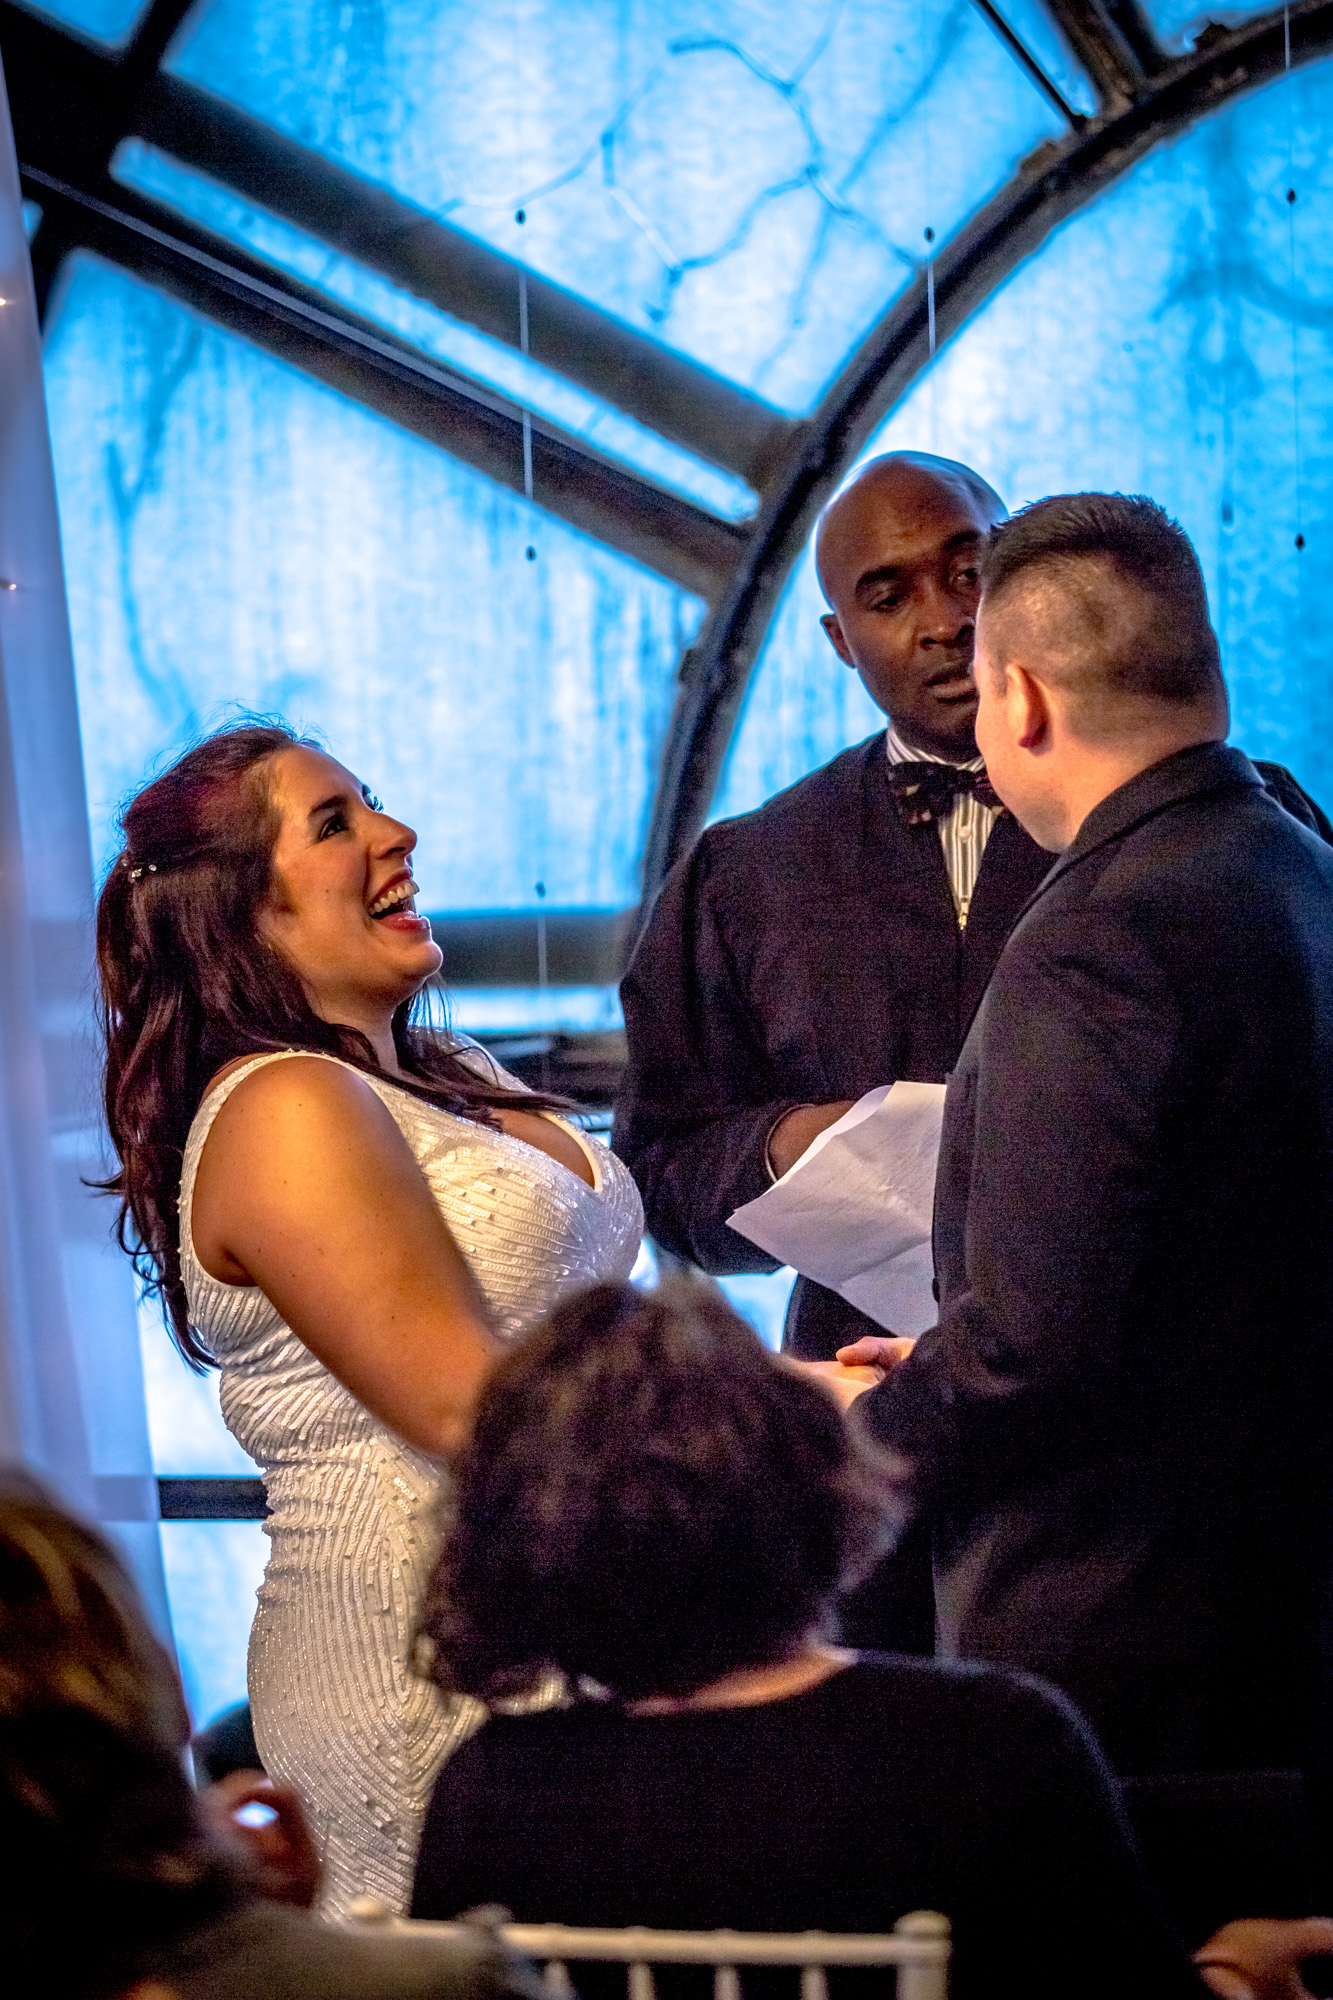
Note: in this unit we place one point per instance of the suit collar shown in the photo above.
(1204, 767)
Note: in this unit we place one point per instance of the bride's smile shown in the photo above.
(396, 904)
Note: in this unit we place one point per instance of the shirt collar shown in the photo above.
(899, 752)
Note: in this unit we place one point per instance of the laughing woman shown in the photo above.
(346, 1214)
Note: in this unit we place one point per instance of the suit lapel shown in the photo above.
(1012, 866)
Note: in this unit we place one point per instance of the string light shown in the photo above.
(543, 983)
(930, 297)
(521, 216)
(527, 414)
(1295, 331)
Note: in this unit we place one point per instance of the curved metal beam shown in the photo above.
(1057, 181)
(72, 103)
(573, 481)
(1113, 43)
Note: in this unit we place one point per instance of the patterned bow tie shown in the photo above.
(923, 792)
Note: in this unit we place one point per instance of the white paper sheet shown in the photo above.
(854, 1213)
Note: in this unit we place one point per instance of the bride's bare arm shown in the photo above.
(307, 1188)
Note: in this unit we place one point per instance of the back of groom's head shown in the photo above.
(1107, 588)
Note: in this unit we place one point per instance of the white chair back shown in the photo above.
(917, 1950)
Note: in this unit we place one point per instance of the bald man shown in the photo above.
(1122, 1427)
(840, 937)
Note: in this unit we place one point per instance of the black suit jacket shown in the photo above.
(807, 952)
(1123, 1425)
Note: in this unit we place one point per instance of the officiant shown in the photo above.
(838, 938)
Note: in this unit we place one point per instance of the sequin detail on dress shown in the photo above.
(338, 1713)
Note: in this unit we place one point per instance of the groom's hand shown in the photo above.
(843, 1384)
(859, 1367)
(876, 1351)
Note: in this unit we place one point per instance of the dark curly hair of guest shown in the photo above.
(106, 1861)
(648, 1501)
(188, 983)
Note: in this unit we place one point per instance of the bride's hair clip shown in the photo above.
(144, 868)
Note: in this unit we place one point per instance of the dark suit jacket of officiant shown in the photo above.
(1122, 1428)
(806, 952)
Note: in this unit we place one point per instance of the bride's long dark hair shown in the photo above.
(188, 984)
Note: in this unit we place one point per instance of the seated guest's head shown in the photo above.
(107, 1861)
(898, 553)
(1095, 655)
(648, 1502)
(117, 1883)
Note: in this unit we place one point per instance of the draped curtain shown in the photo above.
(71, 1383)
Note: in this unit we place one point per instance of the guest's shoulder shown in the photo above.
(972, 1703)
(506, 1738)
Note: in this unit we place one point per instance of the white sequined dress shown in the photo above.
(338, 1712)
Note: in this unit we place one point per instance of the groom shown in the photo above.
(1123, 1425)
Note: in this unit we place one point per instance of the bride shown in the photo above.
(346, 1214)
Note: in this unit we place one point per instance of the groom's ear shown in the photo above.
(1028, 703)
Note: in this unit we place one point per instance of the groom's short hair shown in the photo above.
(1110, 589)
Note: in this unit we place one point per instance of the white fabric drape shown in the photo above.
(71, 1384)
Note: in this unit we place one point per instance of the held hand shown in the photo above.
(798, 1130)
(1259, 1958)
(283, 1856)
(843, 1384)
(874, 1351)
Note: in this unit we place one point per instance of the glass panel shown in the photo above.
(235, 533)
(761, 1297)
(445, 339)
(1174, 340)
(101, 20)
(485, 1010)
(750, 183)
(1177, 22)
(802, 706)
(213, 1570)
(184, 1418)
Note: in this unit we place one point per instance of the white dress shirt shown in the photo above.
(963, 832)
